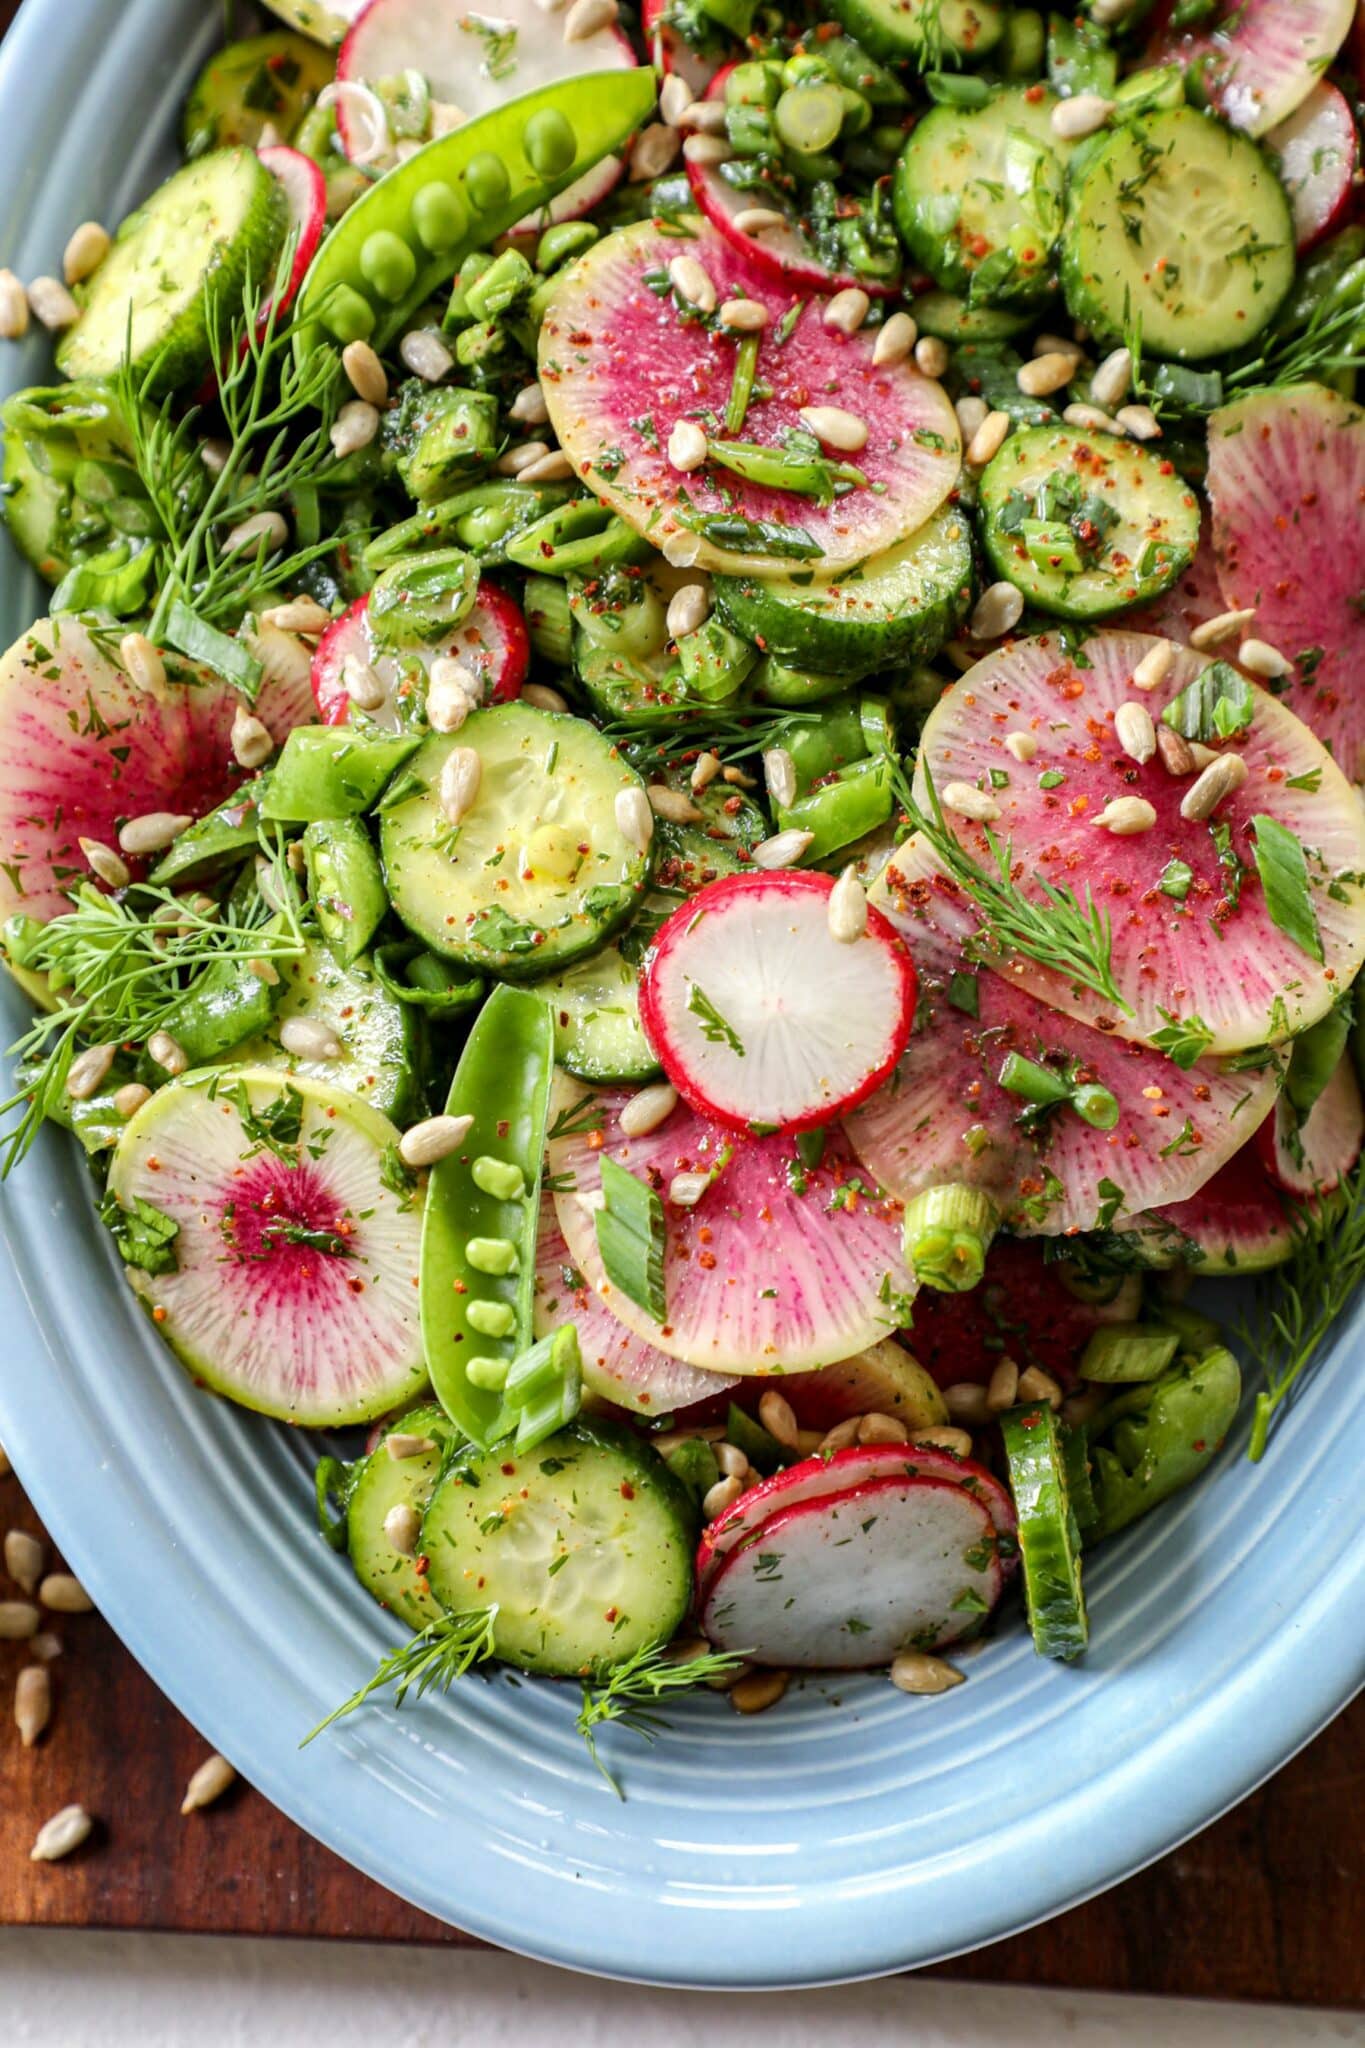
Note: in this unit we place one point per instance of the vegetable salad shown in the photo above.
(686, 828)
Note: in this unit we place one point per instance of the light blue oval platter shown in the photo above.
(847, 1832)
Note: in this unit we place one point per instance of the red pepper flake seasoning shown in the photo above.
(627, 1490)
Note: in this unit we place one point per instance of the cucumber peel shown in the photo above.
(1049, 1538)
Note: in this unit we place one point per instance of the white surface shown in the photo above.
(60, 1990)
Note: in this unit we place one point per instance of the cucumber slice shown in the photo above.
(187, 249)
(598, 1034)
(270, 80)
(538, 873)
(379, 1485)
(584, 1547)
(70, 488)
(978, 197)
(381, 1038)
(950, 318)
(898, 607)
(1178, 229)
(1086, 524)
(1049, 1538)
(927, 30)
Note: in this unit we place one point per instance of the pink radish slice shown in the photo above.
(824, 1478)
(943, 1117)
(760, 1015)
(1262, 58)
(1237, 1224)
(1315, 151)
(845, 1582)
(319, 1331)
(1227, 965)
(1287, 482)
(1312, 1157)
(305, 188)
(617, 1365)
(81, 750)
(670, 52)
(620, 368)
(475, 60)
(760, 1277)
(785, 254)
(491, 642)
(1192, 600)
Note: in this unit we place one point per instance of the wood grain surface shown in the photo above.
(1264, 1905)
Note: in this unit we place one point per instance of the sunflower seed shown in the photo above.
(1135, 731)
(836, 428)
(1081, 115)
(23, 1558)
(32, 1702)
(847, 310)
(402, 1527)
(1222, 776)
(86, 249)
(365, 372)
(847, 909)
(458, 788)
(971, 803)
(686, 446)
(916, 1672)
(1043, 375)
(634, 818)
(895, 339)
(60, 1835)
(208, 1783)
(87, 1071)
(783, 850)
(1154, 666)
(13, 307)
(64, 1594)
(1221, 627)
(647, 1109)
(436, 1137)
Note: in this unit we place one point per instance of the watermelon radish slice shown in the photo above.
(475, 60)
(1237, 1224)
(617, 1365)
(1218, 966)
(1312, 1157)
(81, 750)
(945, 1119)
(844, 1582)
(670, 52)
(826, 1477)
(787, 254)
(491, 641)
(759, 1015)
(1286, 483)
(1022, 1309)
(1316, 151)
(305, 190)
(1260, 59)
(620, 367)
(778, 1267)
(294, 1290)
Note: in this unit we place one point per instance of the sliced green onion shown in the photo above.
(1096, 1105)
(947, 1234)
(544, 1386)
(742, 383)
(802, 471)
(631, 1235)
(1035, 1083)
(1217, 704)
(757, 536)
(808, 118)
(1283, 869)
(1119, 1353)
(193, 636)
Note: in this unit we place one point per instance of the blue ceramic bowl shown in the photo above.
(851, 1830)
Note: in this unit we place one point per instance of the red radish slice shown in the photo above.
(785, 254)
(1192, 600)
(844, 1583)
(1315, 151)
(824, 1478)
(305, 188)
(671, 53)
(1022, 1309)
(1313, 1157)
(82, 749)
(760, 1015)
(1237, 1224)
(473, 60)
(775, 1268)
(944, 1118)
(319, 1329)
(620, 368)
(491, 642)
(617, 1365)
(1226, 964)
(1286, 483)
(1261, 58)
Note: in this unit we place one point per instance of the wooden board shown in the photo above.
(1266, 1904)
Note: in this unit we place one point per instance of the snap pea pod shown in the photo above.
(482, 1211)
(1156, 1438)
(329, 771)
(854, 802)
(426, 981)
(481, 520)
(350, 901)
(576, 539)
(219, 836)
(409, 233)
(229, 1005)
